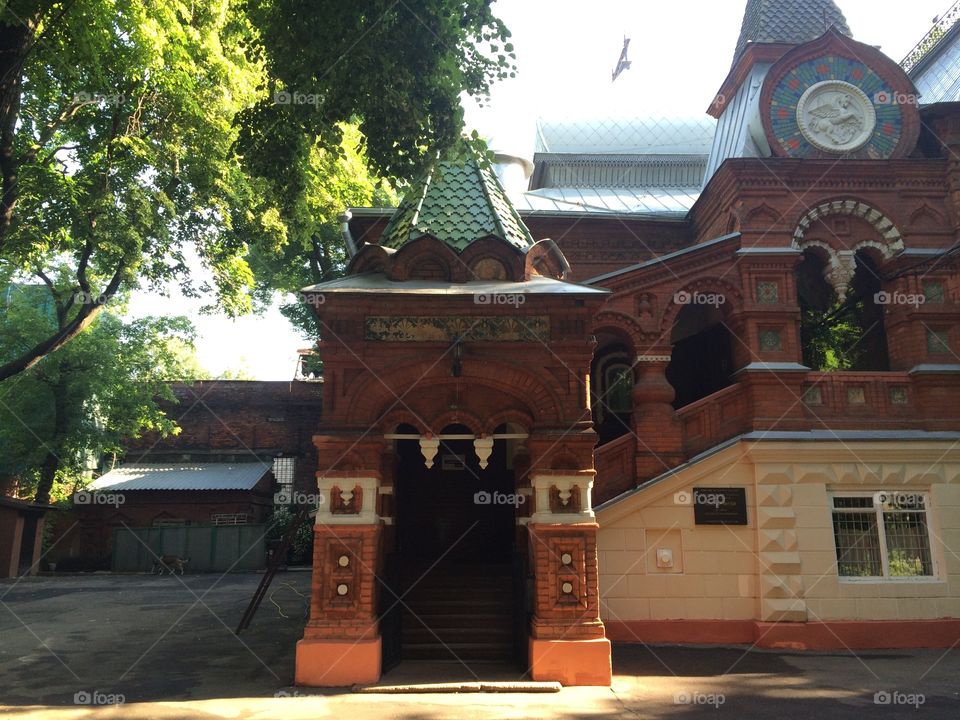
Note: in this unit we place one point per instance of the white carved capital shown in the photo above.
(543, 484)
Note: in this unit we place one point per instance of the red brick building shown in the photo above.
(617, 402)
(219, 470)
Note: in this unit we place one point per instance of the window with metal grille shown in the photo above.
(283, 472)
(229, 518)
(882, 535)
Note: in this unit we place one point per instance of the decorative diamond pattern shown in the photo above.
(933, 291)
(770, 340)
(768, 293)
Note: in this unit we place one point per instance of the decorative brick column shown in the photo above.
(341, 643)
(655, 422)
(567, 638)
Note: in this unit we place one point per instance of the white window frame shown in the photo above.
(882, 533)
(220, 519)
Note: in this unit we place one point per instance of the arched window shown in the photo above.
(610, 387)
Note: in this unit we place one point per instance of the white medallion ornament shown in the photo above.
(836, 116)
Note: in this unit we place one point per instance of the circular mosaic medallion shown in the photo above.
(836, 116)
(833, 105)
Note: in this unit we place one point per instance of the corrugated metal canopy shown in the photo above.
(182, 476)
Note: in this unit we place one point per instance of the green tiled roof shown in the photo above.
(457, 203)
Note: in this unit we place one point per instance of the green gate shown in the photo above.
(211, 548)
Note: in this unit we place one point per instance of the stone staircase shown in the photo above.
(460, 613)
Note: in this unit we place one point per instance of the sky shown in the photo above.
(566, 49)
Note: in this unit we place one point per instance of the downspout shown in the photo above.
(344, 220)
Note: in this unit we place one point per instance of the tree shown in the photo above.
(130, 132)
(115, 148)
(66, 411)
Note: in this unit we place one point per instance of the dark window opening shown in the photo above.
(839, 334)
(701, 363)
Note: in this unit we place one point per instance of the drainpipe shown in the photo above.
(344, 220)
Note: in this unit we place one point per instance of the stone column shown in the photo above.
(341, 643)
(567, 637)
(655, 422)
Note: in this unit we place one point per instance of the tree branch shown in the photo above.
(88, 312)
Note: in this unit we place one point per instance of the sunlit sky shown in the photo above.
(566, 50)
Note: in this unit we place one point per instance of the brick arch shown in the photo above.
(458, 416)
(732, 305)
(425, 249)
(370, 398)
(620, 324)
(891, 240)
(512, 415)
(395, 417)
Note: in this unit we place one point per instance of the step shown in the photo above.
(447, 620)
(462, 651)
(431, 634)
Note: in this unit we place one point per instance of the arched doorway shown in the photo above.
(456, 564)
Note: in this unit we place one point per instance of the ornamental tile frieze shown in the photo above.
(443, 329)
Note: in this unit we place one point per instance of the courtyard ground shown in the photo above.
(166, 648)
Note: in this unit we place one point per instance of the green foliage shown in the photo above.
(296, 241)
(79, 403)
(300, 551)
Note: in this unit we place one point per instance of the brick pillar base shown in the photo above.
(571, 662)
(341, 642)
(338, 663)
(567, 638)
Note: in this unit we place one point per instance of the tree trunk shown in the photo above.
(48, 473)
(16, 40)
(51, 463)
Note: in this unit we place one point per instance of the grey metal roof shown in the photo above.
(667, 202)
(182, 476)
(377, 282)
(626, 135)
(788, 21)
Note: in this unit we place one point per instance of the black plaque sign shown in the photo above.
(719, 506)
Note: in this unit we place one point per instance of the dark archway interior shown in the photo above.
(701, 362)
(442, 512)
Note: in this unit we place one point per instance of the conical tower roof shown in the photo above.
(788, 21)
(457, 202)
